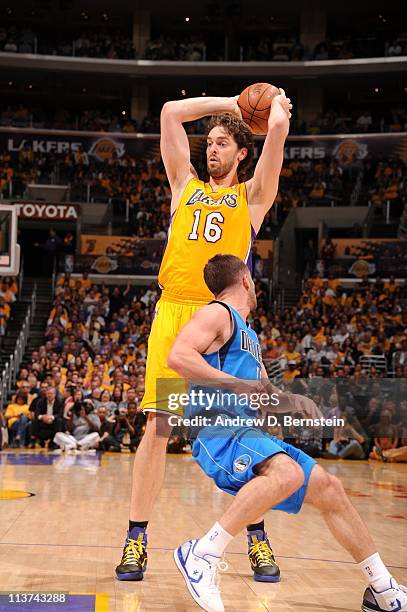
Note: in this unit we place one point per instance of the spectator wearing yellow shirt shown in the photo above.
(266, 335)
(130, 354)
(366, 343)
(280, 345)
(66, 281)
(79, 289)
(58, 317)
(333, 283)
(7, 293)
(24, 391)
(17, 417)
(269, 351)
(13, 284)
(318, 190)
(320, 334)
(114, 334)
(316, 281)
(291, 372)
(290, 354)
(391, 284)
(85, 281)
(4, 316)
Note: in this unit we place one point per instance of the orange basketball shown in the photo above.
(254, 103)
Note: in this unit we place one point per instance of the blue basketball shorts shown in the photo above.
(229, 455)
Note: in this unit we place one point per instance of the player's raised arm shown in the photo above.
(209, 328)
(206, 332)
(262, 188)
(174, 141)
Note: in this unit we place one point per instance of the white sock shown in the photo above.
(214, 542)
(375, 572)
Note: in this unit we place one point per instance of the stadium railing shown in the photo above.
(157, 68)
(374, 361)
(9, 374)
(274, 371)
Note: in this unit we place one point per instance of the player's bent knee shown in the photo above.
(326, 490)
(294, 476)
(336, 488)
(284, 470)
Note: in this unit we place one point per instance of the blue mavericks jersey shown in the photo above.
(239, 357)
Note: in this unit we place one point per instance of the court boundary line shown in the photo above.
(171, 550)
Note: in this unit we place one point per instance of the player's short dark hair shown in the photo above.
(223, 271)
(241, 134)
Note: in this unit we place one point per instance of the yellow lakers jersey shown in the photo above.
(206, 223)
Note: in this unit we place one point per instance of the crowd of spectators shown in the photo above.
(324, 347)
(189, 48)
(198, 46)
(86, 120)
(397, 47)
(289, 48)
(109, 45)
(306, 181)
(303, 182)
(386, 182)
(320, 182)
(82, 389)
(329, 122)
(102, 44)
(354, 122)
(17, 40)
(333, 327)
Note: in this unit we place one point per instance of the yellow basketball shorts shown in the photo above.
(169, 318)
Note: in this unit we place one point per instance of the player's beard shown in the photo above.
(219, 169)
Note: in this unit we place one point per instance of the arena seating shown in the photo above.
(342, 121)
(112, 43)
(142, 181)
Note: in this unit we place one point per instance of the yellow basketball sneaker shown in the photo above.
(262, 561)
(134, 559)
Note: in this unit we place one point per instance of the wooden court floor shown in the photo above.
(68, 536)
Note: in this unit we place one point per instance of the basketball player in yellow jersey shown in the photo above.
(220, 216)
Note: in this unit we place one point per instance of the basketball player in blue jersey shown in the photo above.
(261, 471)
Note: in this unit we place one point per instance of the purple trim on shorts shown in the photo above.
(153, 316)
(168, 232)
(249, 261)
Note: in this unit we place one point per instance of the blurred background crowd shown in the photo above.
(87, 378)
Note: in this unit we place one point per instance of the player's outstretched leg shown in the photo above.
(199, 560)
(149, 459)
(261, 556)
(326, 493)
(200, 569)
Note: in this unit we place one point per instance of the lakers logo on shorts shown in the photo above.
(242, 463)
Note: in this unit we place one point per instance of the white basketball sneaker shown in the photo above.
(200, 575)
(393, 599)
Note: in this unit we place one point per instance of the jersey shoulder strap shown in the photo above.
(224, 349)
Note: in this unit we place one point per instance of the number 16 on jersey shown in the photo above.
(212, 227)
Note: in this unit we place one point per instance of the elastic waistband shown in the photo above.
(184, 299)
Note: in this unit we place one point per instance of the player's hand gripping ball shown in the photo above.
(255, 104)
